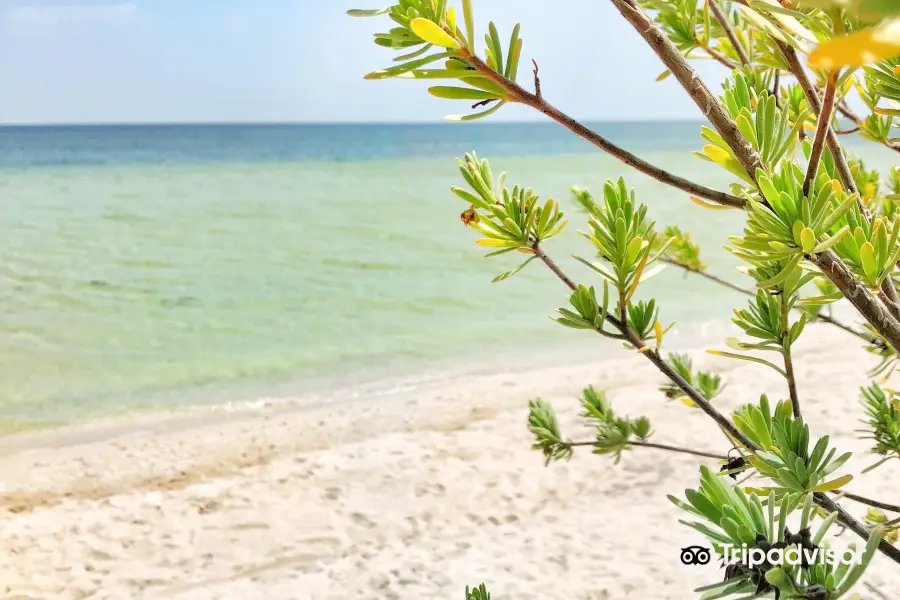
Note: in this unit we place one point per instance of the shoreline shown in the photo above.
(417, 494)
(300, 394)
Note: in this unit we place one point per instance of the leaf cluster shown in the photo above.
(786, 458)
(707, 383)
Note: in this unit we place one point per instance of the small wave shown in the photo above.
(358, 265)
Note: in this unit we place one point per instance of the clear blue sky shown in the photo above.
(90, 61)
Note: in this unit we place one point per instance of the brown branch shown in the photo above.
(776, 88)
(847, 520)
(788, 361)
(858, 121)
(537, 80)
(869, 502)
(729, 31)
(718, 57)
(656, 446)
(821, 132)
(518, 94)
(747, 156)
(711, 108)
(653, 356)
(859, 296)
(844, 518)
(812, 97)
(846, 131)
(892, 303)
(890, 298)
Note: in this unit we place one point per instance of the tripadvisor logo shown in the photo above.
(792, 555)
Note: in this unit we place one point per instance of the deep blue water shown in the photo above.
(24, 146)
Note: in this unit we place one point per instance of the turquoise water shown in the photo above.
(145, 267)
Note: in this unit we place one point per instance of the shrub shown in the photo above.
(817, 220)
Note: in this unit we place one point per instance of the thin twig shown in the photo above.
(658, 447)
(858, 121)
(846, 519)
(537, 80)
(729, 31)
(788, 361)
(821, 132)
(870, 502)
(718, 57)
(776, 90)
(876, 591)
(518, 94)
(846, 131)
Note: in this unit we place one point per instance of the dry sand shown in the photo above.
(411, 495)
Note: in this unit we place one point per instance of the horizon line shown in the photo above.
(325, 123)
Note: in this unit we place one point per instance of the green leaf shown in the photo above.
(868, 260)
(470, 23)
(400, 69)
(832, 241)
(476, 116)
(374, 12)
(747, 358)
(432, 33)
(808, 240)
(834, 484)
(461, 93)
(435, 74)
(513, 42)
(414, 54)
(509, 274)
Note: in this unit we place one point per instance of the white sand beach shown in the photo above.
(408, 496)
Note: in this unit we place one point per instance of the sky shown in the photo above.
(174, 61)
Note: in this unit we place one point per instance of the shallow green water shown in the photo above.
(133, 286)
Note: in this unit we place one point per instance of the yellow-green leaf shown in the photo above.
(834, 483)
(432, 33)
(867, 258)
(450, 92)
(709, 205)
(860, 48)
(492, 243)
(808, 240)
(451, 18)
(659, 334)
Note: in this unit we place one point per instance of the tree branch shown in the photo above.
(656, 446)
(859, 296)
(718, 57)
(847, 520)
(821, 499)
(812, 97)
(653, 356)
(822, 131)
(729, 31)
(788, 361)
(869, 502)
(711, 108)
(518, 94)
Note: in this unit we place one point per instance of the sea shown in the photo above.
(147, 268)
